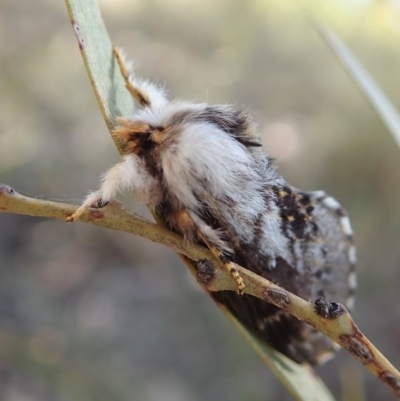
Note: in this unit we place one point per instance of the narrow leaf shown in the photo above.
(371, 90)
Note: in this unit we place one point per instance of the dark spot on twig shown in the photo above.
(96, 214)
(279, 298)
(391, 381)
(328, 310)
(205, 272)
(6, 189)
(355, 344)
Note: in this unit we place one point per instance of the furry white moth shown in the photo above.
(204, 169)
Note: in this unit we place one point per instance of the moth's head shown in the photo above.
(145, 130)
(149, 128)
(137, 136)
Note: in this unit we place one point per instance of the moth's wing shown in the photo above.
(321, 264)
(328, 257)
(328, 260)
(320, 244)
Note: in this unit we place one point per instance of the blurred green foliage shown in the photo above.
(90, 314)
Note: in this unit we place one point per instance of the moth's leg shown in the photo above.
(109, 188)
(93, 200)
(129, 174)
(145, 92)
(189, 223)
(228, 265)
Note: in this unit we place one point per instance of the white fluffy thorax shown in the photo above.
(206, 162)
(205, 169)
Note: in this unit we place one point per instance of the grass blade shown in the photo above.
(370, 89)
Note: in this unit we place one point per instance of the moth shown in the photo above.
(203, 167)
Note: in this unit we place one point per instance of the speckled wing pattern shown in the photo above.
(322, 263)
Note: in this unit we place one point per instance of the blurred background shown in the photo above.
(92, 314)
